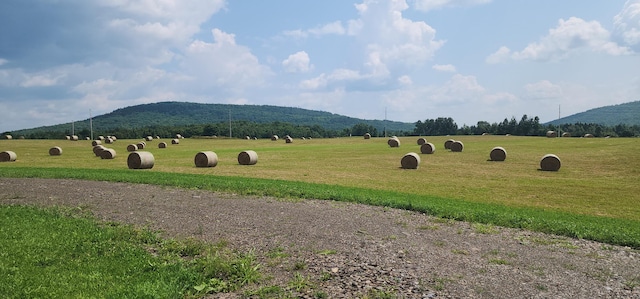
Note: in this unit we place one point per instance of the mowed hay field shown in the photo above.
(598, 176)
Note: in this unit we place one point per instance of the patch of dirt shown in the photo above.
(345, 250)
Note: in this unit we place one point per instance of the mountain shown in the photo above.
(627, 113)
(185, 113)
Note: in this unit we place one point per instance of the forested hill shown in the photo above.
(184, 114)
(627, 114)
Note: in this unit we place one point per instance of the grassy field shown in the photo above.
(596, 189)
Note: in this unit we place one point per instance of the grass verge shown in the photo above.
(603, 229)
(59, 253)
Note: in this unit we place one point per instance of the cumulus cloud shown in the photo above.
(297, 63)
(428, 5)
(569, 36)
(627, 24)
(390, 43)
(543, 90)
(223, 64)
(331, 28)
(444, 68)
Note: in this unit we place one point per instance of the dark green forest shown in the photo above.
(627, 113)
(167, 119)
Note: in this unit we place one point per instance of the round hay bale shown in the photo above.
(566, 134)
(109, 140)
(178, 136)
(8, 137)
(140, 160)
(456, 146)
(247, 137)
(367, 136)
(247, 158)
(96, 142)
(588, 135)
(288, 139)
(447, 144)
(175, 141)
(8, 156)
(141, 145)
(87, 138)
(421, 141)
(114, 138)
(498, 154)
(552, 134)
(393, 142)
(162, 145)
(108, 154)
(157, 137)
(67, 137)
(274, 138)
(206, 159)
(427, 148)
(132, 147)
(410, 161)
(100, 137)
(550, 162)
(98, 149)
(148, 138)
(74, 137)
(55, 151)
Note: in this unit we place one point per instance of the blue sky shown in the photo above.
(472, 60)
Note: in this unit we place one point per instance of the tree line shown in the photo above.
(524, 127)
(430, 127)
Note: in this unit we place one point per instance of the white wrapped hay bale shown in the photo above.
(410, 161)
(248, 158)
(427, 148)
(55, 151)
(498, 153)
(550, 162)
(8, 156)
(206, 159)
(140, 160)
(108, 154)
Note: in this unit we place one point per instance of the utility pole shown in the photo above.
(91, 123)
(229, 123)
(385, 121)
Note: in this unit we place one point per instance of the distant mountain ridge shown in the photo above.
(627, 113)
(187, 113)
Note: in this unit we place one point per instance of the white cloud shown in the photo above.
(405, 80)
(428, 5)
(337, 76)
(627, 24)
(3, 61)
(543, 90)
(330, 28)
(444, 68)
(569, 36)
(297, 63)
(503, 54)
(223, 64)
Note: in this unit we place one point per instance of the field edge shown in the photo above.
(621, 232)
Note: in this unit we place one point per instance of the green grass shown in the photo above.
(593, 196)
(54, 253)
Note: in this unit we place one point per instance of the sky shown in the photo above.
(401, 60)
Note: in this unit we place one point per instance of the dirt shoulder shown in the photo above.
(352, 251)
